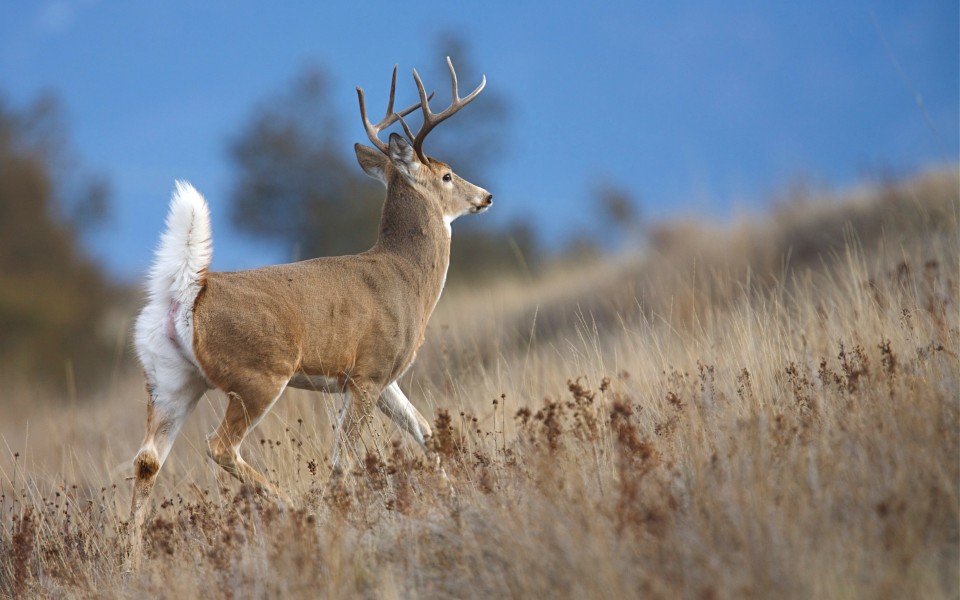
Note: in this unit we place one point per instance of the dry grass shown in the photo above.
(693, 424)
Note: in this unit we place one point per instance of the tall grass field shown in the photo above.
(763, 409)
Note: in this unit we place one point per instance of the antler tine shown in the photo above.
(430, 119)
(373, 131)
(423, 96)
(370, 129)
(453, 76)
(393, 92)
(406, 128)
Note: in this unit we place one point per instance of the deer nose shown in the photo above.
(487, 200)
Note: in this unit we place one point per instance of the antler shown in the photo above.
(430, 119)
(373, 131)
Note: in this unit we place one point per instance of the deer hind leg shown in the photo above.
(354, 421)
(173, 397)
(247, 406)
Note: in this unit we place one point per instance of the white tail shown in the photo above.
(347, 324)
(185, 250)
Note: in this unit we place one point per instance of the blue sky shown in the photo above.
(695, 108)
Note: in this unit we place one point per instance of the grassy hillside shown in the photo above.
(768, 409)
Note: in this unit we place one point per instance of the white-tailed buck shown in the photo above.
(346, 324)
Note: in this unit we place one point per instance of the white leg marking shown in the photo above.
(393, 403)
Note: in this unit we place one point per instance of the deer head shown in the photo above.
(400, 162)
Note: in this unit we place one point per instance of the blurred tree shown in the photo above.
(52, 297)
(618, 211)
(295, 183)
(298, 181)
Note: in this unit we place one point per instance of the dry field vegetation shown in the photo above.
(764, 410)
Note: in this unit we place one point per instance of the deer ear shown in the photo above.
(402, 155)
(372, 161)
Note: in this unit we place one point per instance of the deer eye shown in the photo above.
(448, 177)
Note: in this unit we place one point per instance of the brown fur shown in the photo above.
(361, 316)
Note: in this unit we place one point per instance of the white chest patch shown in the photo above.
(447, 219)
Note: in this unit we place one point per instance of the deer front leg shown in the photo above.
(394, 403)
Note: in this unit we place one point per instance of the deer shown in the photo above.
(347, 324)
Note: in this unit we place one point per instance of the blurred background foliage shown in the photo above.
(53, 297)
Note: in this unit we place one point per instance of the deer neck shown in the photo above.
(413, 229)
